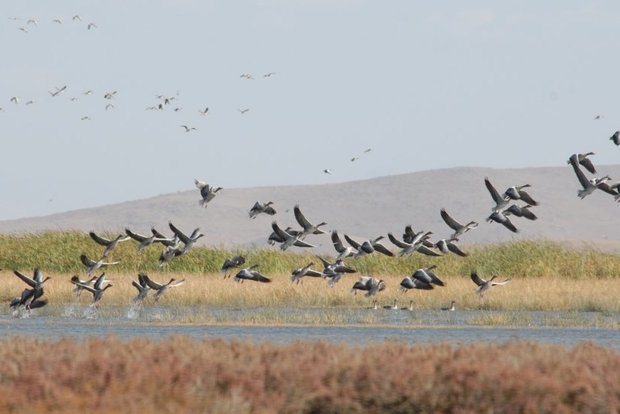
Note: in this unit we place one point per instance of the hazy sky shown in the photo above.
(425, 84)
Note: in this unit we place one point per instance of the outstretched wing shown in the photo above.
(494, 194)
(179, 233)
(477, 279)
(98, 239)
(453, 224)
(303, 222)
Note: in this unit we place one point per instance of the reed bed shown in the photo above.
(178, 374)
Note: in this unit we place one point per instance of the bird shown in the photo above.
(92, 265)
(110, 244)
(15, 99)
(408, 308)
(207, 192)
(97, 289)
(499, 217)
(231, 264)
(110, 95)
(340, 247)
(58, 90)
(308, 228)
(410, 283)
(142, 286)
(109, 106)
(369, 284)
(259, 208)
(298, 274)
(588, 186)
(327, 171)
(447, 245)
(615, 138)
(268, 75)
(367, 150)
(33, 21)
(91, 25)
(29, 299)
(36, 284)
(246, 76)
(333, 272)
(57, 21)
(416, 245)
(368, 246)
(521, 211)
(288, 238)
(205, 111)
(458, 228)
(161, 288)
(275, 238)
(144, 241)
(188, 129)
(584, 161)
(75, 279)
(250, 274)
(188, 241)
(500, 202)
(85, 118)
(426, 275)
(354, 159)
(450, 308)
(484, 285)
(517, 193)
(168, 254)
(77, 17)
(243, 111)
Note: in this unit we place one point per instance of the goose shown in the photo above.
(308, 228)
(259, 208)
(289, 239)
(29, 299)
(92, 265)
(369, 284)
(58, 90)
(33, 21)
(410, 283)
(207, 192)
(340, 247)
(333, 272)
(584, 161)
(161, 288)
(458, 228)
(91, 25)
(188, 129)
(517, 193)
(109, 106)
(368, 246)
(168, 254)
(588, 186)
(447, 245)
(521, 211)
(78, 282)
(275, 238)
(231, 264)
(450, 308)
(204, 112)
(298, 274)
(615, 138)
(417, 244)
(77, 17)
(327, 171)
(427, 275)
(144, 241)
(23, 29)
(36, 282)
(188, 241)
(110, 244)
(97, 289)
(15, 99)
(500, 202)
(408, 308)
(243, 111)
(393, 306)
(110, 95)
(374, 305)
(499, 217)
(246, 76)
(166, 241)
(57, 21)
(484, 285)
(268, 75)
(142, 286)
(250, 274)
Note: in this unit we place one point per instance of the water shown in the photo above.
(354, 326)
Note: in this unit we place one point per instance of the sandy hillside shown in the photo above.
(365, 209)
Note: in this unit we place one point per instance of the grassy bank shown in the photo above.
(183, 375)
(59, 252)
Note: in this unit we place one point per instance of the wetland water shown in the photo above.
(336, 325)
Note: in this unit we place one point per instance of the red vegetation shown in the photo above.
(182, 375)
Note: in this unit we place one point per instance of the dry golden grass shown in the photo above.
(183, 375)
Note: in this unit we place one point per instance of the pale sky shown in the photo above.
(426, 85)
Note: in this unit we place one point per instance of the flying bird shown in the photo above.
(231, 264)
(458, 228)
(615, 138)
(370, 284)
(207, 192)
(484, 285)
(259, 208)
(205, 111)
(250, 274)
(584, 161)
(187, 129)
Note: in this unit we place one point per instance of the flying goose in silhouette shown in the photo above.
(583, 160)
(417, 244)
(369, 284)
(427, 275)
(451, 308)
(231, 263)
(110, 244)
(250, 274)
(206, 192)
(456, 226)
(188, 241)
(500, 202)
(521, 211)
(588, 186)
(333, 272)
(161, 288)
(410, 283)
(144, 241)
(615, 138)
(79, 282)
(142, 286)
(259, 208)
(188, 129)
(484, 285)
(368, 246)
(289, 239)
(97, 289)
(308, 228)
(298, 274)
(340, 247)
(499, 217)
(92, 265)
(275, 238)
(447, 245)
(517, 193)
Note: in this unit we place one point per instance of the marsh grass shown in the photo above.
(178, 374)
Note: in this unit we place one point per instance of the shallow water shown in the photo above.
(352, 326)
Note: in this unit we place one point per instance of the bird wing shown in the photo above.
(494, 194)
(607, 188)
(303, 222)
(98, 239)
(337, 242)
(500, 283)
(453, 224)
(38, 277)
(382, 249)
(425, 250)
(279, 232)
(352, 242)
(260, 278)
(397, 242)
(587, 164)
(152, 284)
(527, 198)
(455, 249)
(508, 224)
(477, 279)
(25, 278)
(86, 261)
(135, 236)
(179, 233)
(177, 283)
(313, 273)
(585, 183)
(434, 277)
(301, 243)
